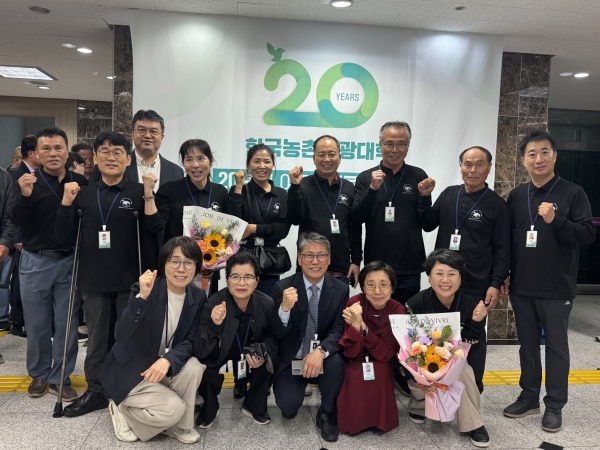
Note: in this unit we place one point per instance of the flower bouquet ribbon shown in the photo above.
(218, 235)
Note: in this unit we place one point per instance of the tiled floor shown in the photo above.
(28, 424)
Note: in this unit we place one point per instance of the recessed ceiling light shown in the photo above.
(110, 77)
(24, 72)
(81, 108)
(84, 50)
(566, 74)
(38, 9)
(38, 83)
(67, 45)
(341, 3)
(581, 75)
(460, 8)
(43, 87)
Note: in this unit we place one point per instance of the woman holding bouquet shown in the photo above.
(445, 269)
(195, 189)
(264, 207)
(367, 398)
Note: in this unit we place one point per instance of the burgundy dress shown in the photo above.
(364, 404)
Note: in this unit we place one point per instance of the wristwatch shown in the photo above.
(365, 332)
(322, 350)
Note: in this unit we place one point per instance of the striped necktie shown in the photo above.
(312, 320)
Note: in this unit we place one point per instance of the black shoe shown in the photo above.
(479, 437)
(18, 331)
(239, 391)
(261, 419)
(4, 326)
(289, 416)
(415, 418)
(201, 423)
(521, 408)
(329, 429)
(552, 420)
(88, 402)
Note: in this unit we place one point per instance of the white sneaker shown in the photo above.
(183, 436)
(122, 429)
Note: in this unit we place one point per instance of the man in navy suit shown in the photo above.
(309, 326)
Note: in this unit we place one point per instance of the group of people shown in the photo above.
(171, 339)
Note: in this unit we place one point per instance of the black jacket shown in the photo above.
(138, 333)
(213, 342)
(332, 302)
(168, 171)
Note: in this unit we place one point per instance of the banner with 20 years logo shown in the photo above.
(237, 81)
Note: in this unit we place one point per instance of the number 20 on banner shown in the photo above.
(328, 116)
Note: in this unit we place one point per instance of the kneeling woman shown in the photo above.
(368, 346)
(234, 318)
(445, 269)
(150, 373)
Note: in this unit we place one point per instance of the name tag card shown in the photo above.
(103, 239)
(531, 240)
(454, 242)
(368, 370)
(390, 213)
(242, 369)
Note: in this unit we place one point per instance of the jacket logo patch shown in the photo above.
(476, 215)
(125, 203)
(407, 189)
(215, 206)
(276, 207)
(344, 199)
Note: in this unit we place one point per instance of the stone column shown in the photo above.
(123, 81)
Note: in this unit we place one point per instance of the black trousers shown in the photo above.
(97, 308)
(16, 307)
(256, 397)
(531, 315)
(289, 389)
(407, 286)
(478, 352)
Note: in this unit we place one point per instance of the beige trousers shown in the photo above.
(151, 408)
(468, 416)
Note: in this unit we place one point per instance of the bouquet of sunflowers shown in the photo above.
(433, 353)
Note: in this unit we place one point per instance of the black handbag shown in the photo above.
(272, 260)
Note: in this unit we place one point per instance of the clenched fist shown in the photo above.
(26, 184)
(240, 176)
(70, 192)
(426, 187)
(376, 179)
(147, 283)
(479, 312)
(218, 314)
(149, 180)
(296, 174)
(546, 212)
(290, 297)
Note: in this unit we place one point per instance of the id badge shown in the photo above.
(368, 371)
(335, 226)
(531, 240)
(314, 344)
(258, 241)
(390, 213)
(103, 239)
(241, 368)
(454, 242)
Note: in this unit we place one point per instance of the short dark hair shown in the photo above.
(310, 237)
(189, 145)
(81, 146)
(395, 124)
(114, 138)
(487, 153)
(189, 248)
(376, 266)
(325, 136)
(148, 114)
(28, 144)
(257, 148)
(536, 136)
(51, 132)
(444, 256)
(241, 258)
(74, 158)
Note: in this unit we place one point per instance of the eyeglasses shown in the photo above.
(399, 146)
(382, 286)
(237, 278)
(142, 131)
(117, 153)
(310, 256)
(175, 263)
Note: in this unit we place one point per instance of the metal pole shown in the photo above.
(137, 218)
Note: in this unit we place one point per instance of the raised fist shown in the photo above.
(69, 193)
(296, 174)
(290, 297)
(376, 179)
(426, 187)
(218, 313)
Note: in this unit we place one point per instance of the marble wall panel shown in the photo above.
(93, 117)
(123, 81)
(497, 324)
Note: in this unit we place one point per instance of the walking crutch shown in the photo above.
(137, 218)
(58, 408)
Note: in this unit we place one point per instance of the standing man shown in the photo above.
(322, 203)
(543, 274)
(108, 240)
(6, 245)
(46, 266)
(86, 151)
(386, 201)
(16, 159)
(474, 221)
(29, 164)
(309, 327)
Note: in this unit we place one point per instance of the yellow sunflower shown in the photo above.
(433, 362)
(209, 257)
(215, 241)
